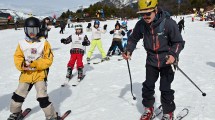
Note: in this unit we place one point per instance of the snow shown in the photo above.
(104, 94)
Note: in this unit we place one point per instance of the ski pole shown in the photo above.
(134, 98)
(203, 94)
(176, 65)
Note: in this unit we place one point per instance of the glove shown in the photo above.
(89, 25)
(63, 40)
(105, 27)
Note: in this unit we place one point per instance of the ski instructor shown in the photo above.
(162, 40)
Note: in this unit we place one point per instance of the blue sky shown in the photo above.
(45, 7)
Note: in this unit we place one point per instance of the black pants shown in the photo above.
(61, 30)
(116, 43)
(167, 94)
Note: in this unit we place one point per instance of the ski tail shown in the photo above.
(24, 114)
(65, 114)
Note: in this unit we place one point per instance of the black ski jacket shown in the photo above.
(160, 38)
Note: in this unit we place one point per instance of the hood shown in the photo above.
(160, 16)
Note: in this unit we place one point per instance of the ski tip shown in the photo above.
(69, 111)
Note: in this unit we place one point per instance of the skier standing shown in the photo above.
(79, 41)
(62, 26)
(32, 57)
(96, 41)
(181, 24)
(117, 38)
(45, 28)
(162, 40)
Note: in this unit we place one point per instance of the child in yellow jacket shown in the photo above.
(32, 57)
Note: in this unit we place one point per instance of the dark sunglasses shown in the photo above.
(147, 14)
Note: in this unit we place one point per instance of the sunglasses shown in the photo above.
(146, 14)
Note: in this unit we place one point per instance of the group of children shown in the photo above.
(34, 56)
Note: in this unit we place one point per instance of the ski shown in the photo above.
(183, 113)
(78, 81)
(24, 114)
(65, 114)
(157, 112)
(66, 81)
(96, 62)
(120, 59)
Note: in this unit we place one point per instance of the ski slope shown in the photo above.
(104, 94)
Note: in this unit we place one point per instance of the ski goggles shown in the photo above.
(32, 30)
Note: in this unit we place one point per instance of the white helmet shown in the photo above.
(78, 26)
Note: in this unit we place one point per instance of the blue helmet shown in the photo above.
(97, 22)
(124, 24)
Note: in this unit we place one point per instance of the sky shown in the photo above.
(44, 7)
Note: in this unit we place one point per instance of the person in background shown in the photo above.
(45, 28)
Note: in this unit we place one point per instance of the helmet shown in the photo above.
(124, 24)
(146, 5)
(32, 26)
(78, 26)
(97, 22)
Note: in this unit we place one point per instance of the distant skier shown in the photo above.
(32, 57)
(117, 38)
(181, 24)
(62, 26)
(16, 22)
(45, 28)
(79, 40)
(96, 41)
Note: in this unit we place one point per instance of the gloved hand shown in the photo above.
(63, 40)
(105, 26)
(89, 25)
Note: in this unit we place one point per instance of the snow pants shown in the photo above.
(42, 97)
(78, 57)
(116, 43)
(98, 43)
(167, 94)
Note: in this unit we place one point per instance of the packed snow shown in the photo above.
(104, 94)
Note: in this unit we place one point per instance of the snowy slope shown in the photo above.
(104, 94)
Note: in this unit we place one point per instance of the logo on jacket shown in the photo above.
(148, 3)
(33, 50)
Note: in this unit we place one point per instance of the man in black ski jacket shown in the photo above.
(163, 43)
(181, 24)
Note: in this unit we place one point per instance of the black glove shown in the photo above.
(105, 27)
(86, 42)
(89, 25)
(63, 40)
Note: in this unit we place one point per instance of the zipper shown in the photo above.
(155, 47)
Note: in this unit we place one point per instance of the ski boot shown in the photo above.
(56, 118)
(88, 60)
(148, 114)
(108, 54)
(106, 58)
(80, 73)
(69, 73)
(169, 116)
(14, 116)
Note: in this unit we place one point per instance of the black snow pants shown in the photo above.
(167, 94)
